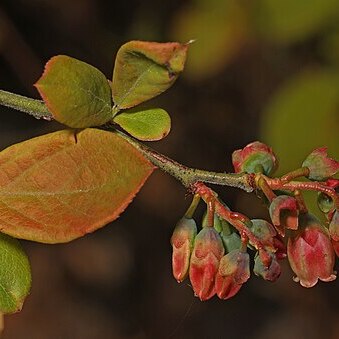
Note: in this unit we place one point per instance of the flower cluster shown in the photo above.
(215, 256)
(200, 259)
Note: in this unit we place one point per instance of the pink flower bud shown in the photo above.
(236, 264)
(284, 213)
(182, 243)
(334, 226)
(254, 158)
(207, 252)
(271, 272)
(264, 231)
(226, 287)
(320, 165)
(336, 247)
(234, 270)
(333, 183)
(280, 247)
(310, 252)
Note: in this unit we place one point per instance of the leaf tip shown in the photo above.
(190, 42)
(47, 68)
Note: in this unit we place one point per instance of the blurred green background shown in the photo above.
(259, 70)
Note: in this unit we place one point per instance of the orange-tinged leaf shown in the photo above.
(60, 186)
(76, 93)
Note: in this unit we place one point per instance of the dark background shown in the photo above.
(264, 70)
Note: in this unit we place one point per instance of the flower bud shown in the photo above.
(280, 248)
(182, 243)
(336, 247)
(253, 158)
(284, 213)
(320, 165)
(334, 226)
(234, 270)
(230, 237)
(231, 241)
(264, 231)
(270, 272)
(235, 264)
(226, 287)
(333, 183)
(325, 202)
(310, 252)
(207, 252)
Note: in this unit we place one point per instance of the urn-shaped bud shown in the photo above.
(320, 165)
(226, 287)
(253, 158)
(234, 270)
(270, 272)
(333, 183)
(310, 252)
(264, 231)
(284, 213)
(230, 237)
(231, 241)
(280, 248)
(325, 202)
(334, 226)
(336, 247)
(182, 244)
(236, 264)
(207, 252)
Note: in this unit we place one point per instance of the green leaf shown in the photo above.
(60, 186)
(143, 70)
(147, 125)
(291, 21)
(15, 275)
(77, 94)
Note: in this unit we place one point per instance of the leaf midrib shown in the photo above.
(131, 89)
(48, 193)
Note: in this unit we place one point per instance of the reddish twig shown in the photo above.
(236, 219)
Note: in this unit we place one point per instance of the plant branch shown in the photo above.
(278, 184)
(188, 176)
(263, 185)
(300, 172)
(33, 107)
(237, 220)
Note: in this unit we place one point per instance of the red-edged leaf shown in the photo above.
(60, 186)
(145, 69)
(77, 94)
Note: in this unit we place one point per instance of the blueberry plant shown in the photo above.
(58, 187)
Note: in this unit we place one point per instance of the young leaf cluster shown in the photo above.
(79, 95)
